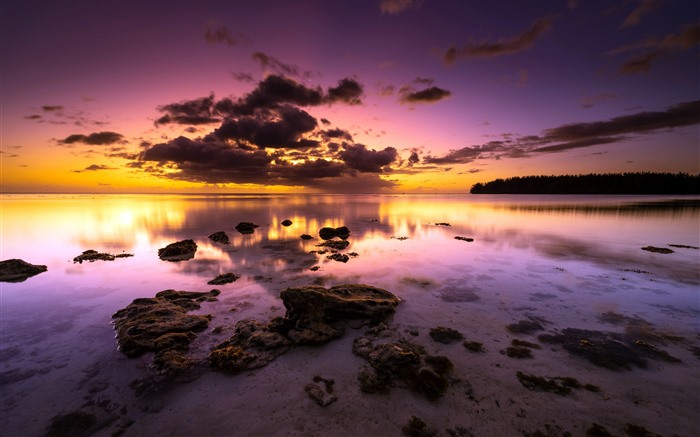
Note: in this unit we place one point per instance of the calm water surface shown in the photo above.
(564, 258)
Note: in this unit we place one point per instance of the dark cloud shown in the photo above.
(97, 138)
(647, 50)
(428, 95)
(325, 121)
(577, 135)
(282, 131)
(348, 91)
(337, 133)
(385, 90)
(94, 167)
(242, 76)
(504, 46)
(33, 117)
(414, 158)
(589, 101)
(52, 108)
(189, 112)
(270, 63)
(643, 8)
(360, 158)
(221, 35)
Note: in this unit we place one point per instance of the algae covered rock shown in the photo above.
(315, 315)
(162, 325)
(178, 251)
(224, 278)
(219, 237)
(93, 255)
(17, 270)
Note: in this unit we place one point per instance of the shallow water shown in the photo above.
(563, 259)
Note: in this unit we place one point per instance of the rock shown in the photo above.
(328, 233)
(335, 244)
(518, 352)
(306, 237)
(445, 335)
(339, 257)
(17, 270)
(162, 325)
(404, 361)
(525, 327)
(557, 385)
(93, 255)
(219, 237)
(684, 246)
(315, 315)
(474, 346)
(442, 224)
(178, 251)
(286, 223)
(657, 249)
(246, 227)
(318, 394)
(607, 349)
(224, 278)
(467, 239)
(417, 428)
(77, 423)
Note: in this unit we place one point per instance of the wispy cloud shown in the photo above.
(393, 7)
(577, 135)
(95, 139)
(590, 101)
(504, 46)
(644, 7)
(94, 167)
(221, 35)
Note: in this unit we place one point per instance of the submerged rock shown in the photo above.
(607, 349)
(286, 223)
(219, 237)
(322, 395)
(246, 227)
(306, 237)
(315, 315)
(525, 327)
(93, 255)
(557, 385)
(403, 361)
(178, 251)
(162, 325)
(417, 428)
(445, 335)
(17, 270)
(339, 257)
(328, 233)
(224, 278)
(335, 244)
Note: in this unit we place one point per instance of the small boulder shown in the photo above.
(286, 223)
(328, 233)
(445, 335)
(219, 237)
(224, 278)
(246, 227)
(17, 270)
(178, 251)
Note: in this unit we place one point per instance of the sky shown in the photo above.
(366, 96)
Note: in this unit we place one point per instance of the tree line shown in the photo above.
(609, 183)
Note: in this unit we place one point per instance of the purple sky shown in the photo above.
(364, 96)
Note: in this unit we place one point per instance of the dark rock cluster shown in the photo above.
(328, 233)
(246, 227)
(17, 270)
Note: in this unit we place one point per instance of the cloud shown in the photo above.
(393, 7)
(270, 63)
(337, 133)
(428, 95)
(645, 7)
(94, 167)
(33, 117)
(190, 112)
(97, 138)
(504, 46)
(348, 91)
(577, 135)
(242, 77)
(52, 108)
(647, 50)
(221, 35)
(360, 158)
(590, 101)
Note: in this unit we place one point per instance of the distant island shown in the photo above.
(610, 183)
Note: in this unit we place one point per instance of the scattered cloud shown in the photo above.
(393, 7)
(504, 46)
(428, 95)
(243, 77)
(360, 158)
(645, 51)
(590, 101)
(576, 135)
(96, 139)
(52, 108)
(348, 91)
(271, 64)
(221, 35)
(643, 8)
(94, 167)
(191, 112)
